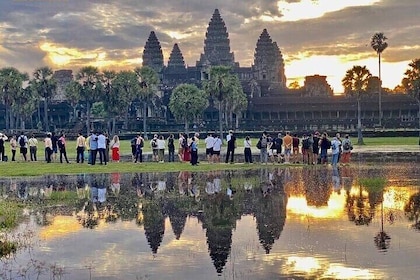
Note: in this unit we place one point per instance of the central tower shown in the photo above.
(216, 44)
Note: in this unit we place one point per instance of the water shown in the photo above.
(272, 223)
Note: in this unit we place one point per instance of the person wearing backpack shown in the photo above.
(23, 145)
(171, 148)
(138, 155)
(307, 143)
(347, 148)
(324, 144)
(262, 146)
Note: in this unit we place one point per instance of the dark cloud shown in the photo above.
(121, 28)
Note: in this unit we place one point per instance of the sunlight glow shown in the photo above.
(299, 206)
(309, 9)
(320, 268)
(60, 226)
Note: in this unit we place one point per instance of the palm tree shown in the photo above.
(45, 86)
(355, 84)
(11, 84)
(379, 45)
(219, 87)
(72, 93)
(411, 84)
(148, 81)
(125, 87)
(90, 82)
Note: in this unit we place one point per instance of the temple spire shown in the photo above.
(268, 61)
(217, 44)
(152, 53)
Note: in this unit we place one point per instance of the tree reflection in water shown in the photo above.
(150, 198)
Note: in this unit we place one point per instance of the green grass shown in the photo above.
(10, 214)
(380, 141)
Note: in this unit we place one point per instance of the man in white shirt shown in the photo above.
(217, 146)
(102, 148)
(209, 146)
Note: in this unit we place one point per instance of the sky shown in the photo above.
(325, 37)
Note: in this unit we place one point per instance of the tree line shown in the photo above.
(116, 92)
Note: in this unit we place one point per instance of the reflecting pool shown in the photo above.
(358, 222)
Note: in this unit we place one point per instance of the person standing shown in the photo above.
(48, 147)
(194, 151)
(93, 144)
(335, 151)
(33, 147)
(209, 141)
(80, 148)
(347, 148)
(54, 140)
(102, 148)
(171, 148)
(3, 139)
(231, 145)
(315, 148)
(181, 147)
(295, 144)
(217, 147)
(247, 150)
(23, 145)
(324, 144)
(155, 149)
(133, 145)
(262, 145)
(139, 149)
(13, 147)
(288, 144)
(61, 143)
(115, 148)
(161, 143)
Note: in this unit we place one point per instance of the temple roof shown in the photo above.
(176, 59)
(217, 43)
(152, 53)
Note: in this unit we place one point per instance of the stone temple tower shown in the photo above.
(176, 69)
(152, 53)
(217, 44)
(268, 65)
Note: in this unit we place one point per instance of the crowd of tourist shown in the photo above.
(97, 147)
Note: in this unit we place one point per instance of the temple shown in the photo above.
(271, 104)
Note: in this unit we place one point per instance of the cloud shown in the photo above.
(116, 32)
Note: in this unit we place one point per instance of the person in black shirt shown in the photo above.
(171, 148)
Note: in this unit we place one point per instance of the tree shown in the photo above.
(355, 83)
(411, 83)
(25, 104)
(187, 103)
(295, 85)
(72, 93)
(148, 81)
(236, 101)
(90, 82)
(45, 86)
(219, 87)
(125, 88)
(379, 44)
(11, 84)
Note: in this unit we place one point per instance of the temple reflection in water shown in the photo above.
(301, 222)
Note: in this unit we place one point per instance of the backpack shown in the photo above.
(347, 146)
(328, 144)
(264, 142)
(133, 141)
(305, 144)
(154, 143)
(22, 141)
(60, 144)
